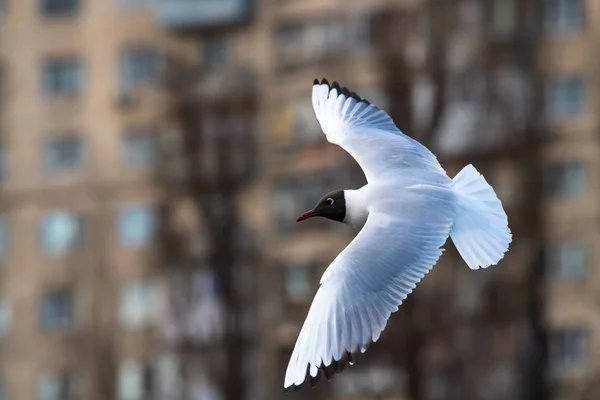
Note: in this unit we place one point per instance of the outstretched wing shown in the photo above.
(370, 136)
(363, 286)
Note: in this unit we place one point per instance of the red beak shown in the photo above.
(306, 215)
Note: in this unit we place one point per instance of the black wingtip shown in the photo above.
(292, 388)
(314, 380)
(336, 86)
(316, 81)
(324, 82)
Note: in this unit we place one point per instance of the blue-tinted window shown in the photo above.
(135, 3)
(565, 179)
(214, 55)
(140, 65)
(59, 232)
(569, 347)
(297, 282)
(137, 225)
(62, 155)
(567, 97)
(2, 77)
(567, 261)
(3, 236)
(56, 386)
(141, 147)
(564, 15)
(130, 385)
(57, 313)
(3, 163)
(52, 8)
(139, 304)
(62, 77)
(5, 319)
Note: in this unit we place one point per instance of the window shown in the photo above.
(135, 3)
(567, 261)
(5, 319)
(139, 65)
(62, 77)
(564, 15)
(2, 14)
(62, 155)
(568, 347)
(58, 311)
(134, 381)
(504, 14)
(60, 232)
(567, 97)
(56, 386)
(565, 179)
(2, 77)
(297, 283)
(137, 225)
(214, 54)
(301, 42)
(141, 148)
(140, 304)
(53, 8)
(3, 163)
(3, 236)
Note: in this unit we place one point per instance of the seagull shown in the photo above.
(404, 214)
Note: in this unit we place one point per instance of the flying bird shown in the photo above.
(405, 213)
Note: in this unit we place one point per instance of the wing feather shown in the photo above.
(399, 244)
(369, 134)
(361, 288)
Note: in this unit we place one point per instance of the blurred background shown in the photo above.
(155, 154)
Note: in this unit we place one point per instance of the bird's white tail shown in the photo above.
(480, 231)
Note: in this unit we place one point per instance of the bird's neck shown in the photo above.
(356, 208)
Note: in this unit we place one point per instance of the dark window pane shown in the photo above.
(61, 77)
(139, 66)
(52, 8)
(141, 147)
(57, 311)
(62, 155)
(565, 179)
(568, 348)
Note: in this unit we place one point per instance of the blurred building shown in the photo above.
(155, 155)
(81, 115)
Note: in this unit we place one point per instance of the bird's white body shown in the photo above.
(357, 207)
(405, 214)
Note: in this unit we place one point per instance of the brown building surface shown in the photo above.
(152, 152)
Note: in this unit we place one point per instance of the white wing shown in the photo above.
(370, 136)
(399, 244)
(362, 287)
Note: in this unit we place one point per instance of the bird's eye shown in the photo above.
(329, 201)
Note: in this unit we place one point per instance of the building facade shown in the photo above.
(154, 158)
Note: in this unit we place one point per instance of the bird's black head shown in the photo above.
(331, 206)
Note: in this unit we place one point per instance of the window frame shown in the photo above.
(69, 323)
(42, 223)
(559, 104)
(558, 344)
(46, 150)
(557, 190)
(150, 237)
(59, 66)
(129, 76)
(127, 150)
(558, 23)
(556, 254)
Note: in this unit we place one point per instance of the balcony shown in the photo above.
(189, 15)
